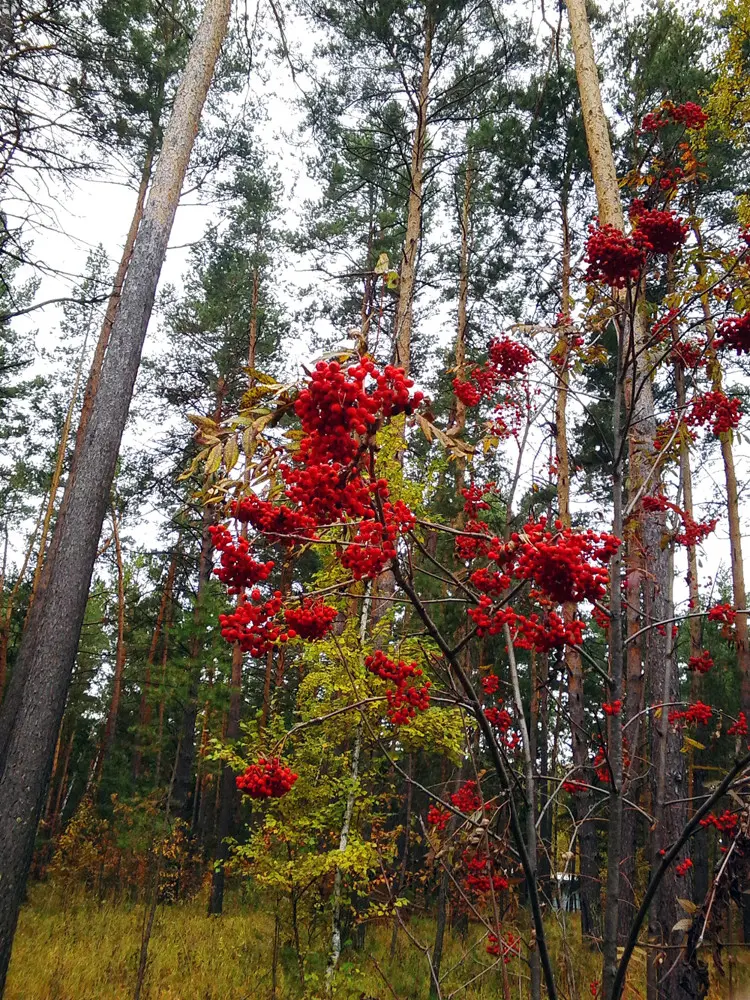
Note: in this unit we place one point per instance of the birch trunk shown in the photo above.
(48, 649)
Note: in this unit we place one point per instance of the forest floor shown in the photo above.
(72, 947)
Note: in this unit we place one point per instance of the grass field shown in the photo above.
(71, 947)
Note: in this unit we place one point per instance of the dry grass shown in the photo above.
(73, 948)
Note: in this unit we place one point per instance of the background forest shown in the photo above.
(373, 620)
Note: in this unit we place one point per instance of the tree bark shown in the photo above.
(589, 850)
(144, 709)
(120, 656)
(412, 237)
(48, 650)
(333, 958)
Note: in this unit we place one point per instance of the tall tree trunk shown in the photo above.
(228, 783)
(535, 966)
(48, 650)
(405, 852)
(120, 655)
(144, 709)
(590, 889)
(335, 953)
(57, 474)
(413, 235)
(100, 350)
(646, 529)
(186, 749)
(9, 703)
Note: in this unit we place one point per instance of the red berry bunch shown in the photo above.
(684, 867)
(474, 498)
(499, 718)
(689, 114)
(696, 714)
(734, 332)
(612, 707)
(721, 412)
(574, 787)
(546, 633)
(695, 532)
(374, 545)
(490, 581)
(405, 699)
(726, 822)
(438, 817)
(509, 358)
(475, 542)
(252, 624)
(490, 684)
(701, 664)
(724, 613)
(238, 568)
(268, 778)
(738, 728)
(508, 947)
(467, 798)
(312, 620)
(275, 521)
(690, 353)
(480, 878)
(467, 392)
(662, 231)
(569, 566)
(613, 257)
(335, 408)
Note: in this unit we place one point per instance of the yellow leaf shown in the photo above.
(231, 453)
(214, 459)
(383, 264)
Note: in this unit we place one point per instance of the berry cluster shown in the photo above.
(701, 664)
(252, 624)
(467, 798)
(508, 358)
(507, 947)
(238, 568)
(474, 498)
(689, 114)
(613, 257)
(690, 353)
(734, 332)
(312, 620)
(490, 684)
(684, 867)
(438, 817)
(697, 714)
(574, 787)
(693, 532)
(480, 878)
(721, 412)
(568, 566)
(724, 613)
(612, 707)
(268, 778)
(738, 728)
(499, 718)
(374, 545)
(275, 521)
(726, 822)
(405, 699)
(660, 231)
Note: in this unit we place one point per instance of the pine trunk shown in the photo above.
(48, 649)
(413, 235)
